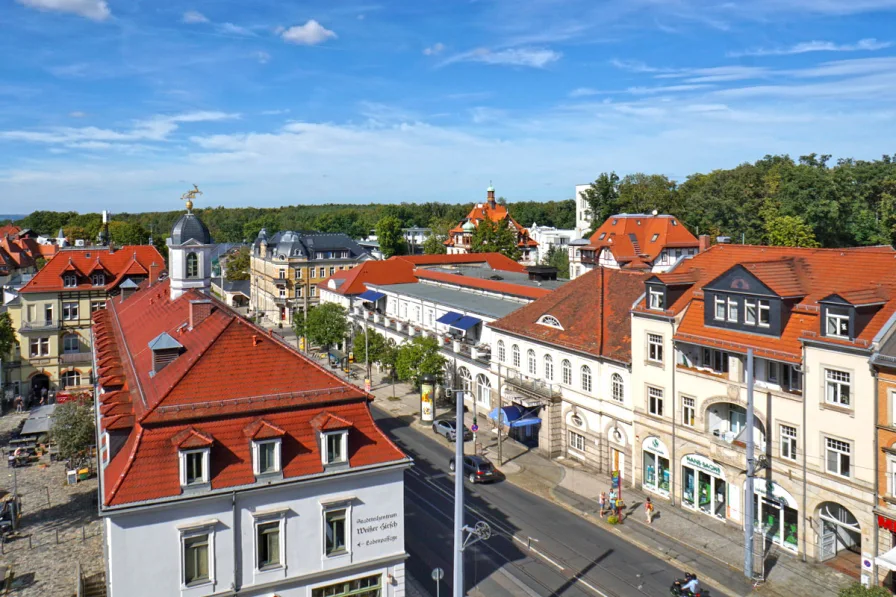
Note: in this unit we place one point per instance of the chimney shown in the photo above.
(199, 310)
(703, 239)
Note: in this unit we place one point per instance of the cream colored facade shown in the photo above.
(815, 495)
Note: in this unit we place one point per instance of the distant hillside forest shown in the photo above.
(228, 224)
(776, 200)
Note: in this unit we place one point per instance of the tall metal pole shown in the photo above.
(748, 505)
(459, 495)
(366, 352)
(500, 420)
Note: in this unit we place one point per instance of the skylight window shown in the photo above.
(654, 237)
(674, 223)
(602, 236)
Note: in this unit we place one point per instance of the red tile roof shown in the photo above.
(136, 260)
(867, 275)
(19, 252)
(594, 311)
(491, 210)
(641, 237)
(392, 271)
(531, 292)
(494, 260)
(269, 388)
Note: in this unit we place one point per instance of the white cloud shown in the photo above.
(435, 49)
(664, 89)
(584, 92)
(866, 45)
(95, 10)
(230, 28)
(194, 16)
(77, 114)
(261, 56)
(309, 34)
(531, 57)
(716, 74)
(636, 66)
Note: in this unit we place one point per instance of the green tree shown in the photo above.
(558, 257)
(127, 233)
(390, 237)
(643, 193)
(602, 197)
(326, 324)
(375, 342)
(434, 244)
(7, 334)
(73, 427)
(418, 357)
(238, 264)
(39, 263)
(495, 237)
(790, 231)
(857, 590)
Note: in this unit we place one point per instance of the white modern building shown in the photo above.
(549, 236)
(230, 464)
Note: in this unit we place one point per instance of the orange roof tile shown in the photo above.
(493, 260)
(137, 260)
(641, 236)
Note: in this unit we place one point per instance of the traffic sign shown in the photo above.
(438, 574)
(475, 428)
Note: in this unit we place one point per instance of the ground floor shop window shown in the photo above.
(703, 488)
(779, 522)
(656, 473)
(369, 586)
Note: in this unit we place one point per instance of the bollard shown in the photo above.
(57, 536)
(83, 535)
(48, 495)
(29, 541)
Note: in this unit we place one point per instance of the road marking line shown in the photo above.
(532, 549)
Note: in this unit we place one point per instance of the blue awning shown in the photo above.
(526, 421)
(449, 318)
(466, 322)
(371, 295)
(514, 416)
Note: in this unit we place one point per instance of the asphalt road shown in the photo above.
(566, 556)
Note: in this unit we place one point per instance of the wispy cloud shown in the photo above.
(584, 92)
(77, 114)
(665, 89)
(194, 16)
(95, 10)
(435, 49)
(309, 34)
(529, 57)
(867, 45)
(261, 56)
(232, 29)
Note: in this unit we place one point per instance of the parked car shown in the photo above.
(448, 428)
(477, 469)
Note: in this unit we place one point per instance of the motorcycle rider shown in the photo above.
(691, 585)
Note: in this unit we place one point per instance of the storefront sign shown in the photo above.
(704, 464)
(886, 523)
(373, 531)
(760, 486)
(655, 445)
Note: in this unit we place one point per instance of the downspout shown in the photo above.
(237, 581)
(805, 433)
(876, 534)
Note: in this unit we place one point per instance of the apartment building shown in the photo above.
(566, 358)
(650, 242)
(812, 318)
(52, 312)
(550, 237)
(231, 464)
(884, 536)
(286, 268)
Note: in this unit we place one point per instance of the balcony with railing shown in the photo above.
(68, 358)
(589, 257)
(531, 385)
(42, 325)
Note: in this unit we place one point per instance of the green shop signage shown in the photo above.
(703, 464)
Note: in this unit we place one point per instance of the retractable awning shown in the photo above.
(887, 560)
(449, 318)
(465, 323)
(371, 295)
(514, 416)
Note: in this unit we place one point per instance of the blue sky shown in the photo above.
(122, 105)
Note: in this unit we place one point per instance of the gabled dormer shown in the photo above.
(333, 434)
(71, 275)
(194, 455)
(266, 443)
(664, 290)
(98, 273)
(844, 315)
(165, 349)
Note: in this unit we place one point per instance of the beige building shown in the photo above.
(286, 268)
(52, 313)
(812, 318)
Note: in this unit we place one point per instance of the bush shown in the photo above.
(857, 590)
(612, 519)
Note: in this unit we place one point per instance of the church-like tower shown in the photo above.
(189, 254)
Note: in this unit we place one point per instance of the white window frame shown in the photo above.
(39, 347)
(324, 447)
(183, 454)
(788, 446)
(256, 455)
(209, 532)
(891, 476)
(833, 445)
(654, 348)
(312, 291)
(731, 309)
(892, 408)
(515, 355)
(833, 387)
(65, 340)
(531, 362)
(548, 367)
(576, 440)
(750, 304)
(97, 306)
(586, 379)
(688, 411)
(656, 299)
(347, 507)
(69, 280)
(70, 378)
(265, 519)
(98, 279)
(840, 318)
(566, 370)
(70, 311)
(655, 398)
(719, 304)
(617, 387)
(502, 351)
(763, 307)
(321, 272)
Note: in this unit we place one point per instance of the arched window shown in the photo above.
(192, 265)
(515, 353)
(483, 390)
(550, 321)
(530, 361)
(566, 368)
(502, 354)
(70, 378)
(618, 387)
(586, 378)
(466, 380)
(548, 367)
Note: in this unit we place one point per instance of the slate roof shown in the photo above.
(189, 227)
(594, 311)
(190, 399)
(641, 237)
(500, 286)
(305, 244)
(130, 260)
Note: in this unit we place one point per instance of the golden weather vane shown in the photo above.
(189, 196)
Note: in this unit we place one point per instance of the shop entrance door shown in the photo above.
(617, 461)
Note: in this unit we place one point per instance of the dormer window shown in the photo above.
(657, 298)
(654, 237)
(98, 279)
(720, 308)
(335, 447)
(837, 323)
(69, 280)
(602, 236)
(550, 321)
(764, 314)
(732, 309)
(194, 467)
(750, 312)
(266, 456)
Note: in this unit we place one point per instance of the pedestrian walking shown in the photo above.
(619, 506)
(648, 509)
(603, 503)
(20, 404)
